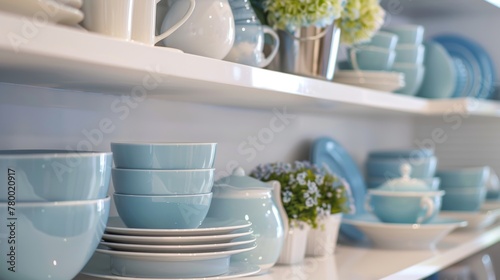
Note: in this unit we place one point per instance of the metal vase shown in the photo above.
(309, 51)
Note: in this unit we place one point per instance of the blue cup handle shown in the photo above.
(368, 206)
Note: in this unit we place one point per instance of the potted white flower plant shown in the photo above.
(310, 197)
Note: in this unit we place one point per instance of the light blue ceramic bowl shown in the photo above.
(464, 199)
(391, 168)
(163, 212)
(163, 155)
(402, 154)
(404, 207)
(384, 40)
(375, 182)
(54, 175)
(473, 177)
(371, 58)
(414, 75)
(407, 34)
(414, 54)
(50, 240)
(162, 182)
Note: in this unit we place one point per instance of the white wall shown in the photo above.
(32, 117)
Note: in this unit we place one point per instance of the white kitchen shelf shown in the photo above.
(364, 263)
(68, 58)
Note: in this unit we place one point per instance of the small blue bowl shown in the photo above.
(371, 58)
(53, 240)
(407, 33)
(464, 199)
(390, 168)
(404, 207)
(384, 40)
(414, 76)
(54, 175)
(163, 155)
(472, 177)
(162, 182)
(163, 211)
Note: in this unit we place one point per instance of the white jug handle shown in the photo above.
(276, 45)
(279, 204)
(428, 203)
(176, 26)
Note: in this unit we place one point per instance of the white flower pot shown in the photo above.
(294, 248)
(322, 241)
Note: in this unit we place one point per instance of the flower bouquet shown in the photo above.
(310, 197)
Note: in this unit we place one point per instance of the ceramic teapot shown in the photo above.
(242, 197)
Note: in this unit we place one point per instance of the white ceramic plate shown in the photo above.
(164, 257)
(178, 248)
(404, 236)
(99, 267)
(380, 85)
(50, 10)
(475, 220)
(370, 75)
(210, 226)
(174, 240)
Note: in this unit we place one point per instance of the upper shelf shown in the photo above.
(68, 58)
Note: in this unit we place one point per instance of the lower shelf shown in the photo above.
(360, 263)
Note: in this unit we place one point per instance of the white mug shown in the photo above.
(128, 19)
(109, 17)
(144, 21)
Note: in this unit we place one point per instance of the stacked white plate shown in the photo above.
(377, 80)
(161, 254)
(40, 12)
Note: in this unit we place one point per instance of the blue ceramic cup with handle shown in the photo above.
(404, 207)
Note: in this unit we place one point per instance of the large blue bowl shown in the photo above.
(163, 211)
(50, 240)
(162, 182)
(163, 155)
(54, 175)
(464, 199)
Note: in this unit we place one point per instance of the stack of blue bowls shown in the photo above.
(382, 166)
(410, 53)
(53, 211)
(163, 185)
(465, 188)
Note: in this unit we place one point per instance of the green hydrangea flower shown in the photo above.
(360, 20)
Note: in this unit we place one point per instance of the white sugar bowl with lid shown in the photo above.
(406, 183)
(404, 200)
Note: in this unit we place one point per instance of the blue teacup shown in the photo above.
(464, 199)
(371, 58)
(469, 177)
(404, 207)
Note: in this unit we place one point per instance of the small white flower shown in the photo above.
(301, 178)
(287, 196)
(310, 202)
(320, 179)
(312, 188)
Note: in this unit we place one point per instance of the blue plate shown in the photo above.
(476, 62)
(440, 75)
(328, 153)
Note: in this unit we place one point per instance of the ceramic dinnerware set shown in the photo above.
(53, 211)
(162, 194)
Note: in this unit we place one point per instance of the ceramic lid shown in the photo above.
(405, 183)
(239, 180)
